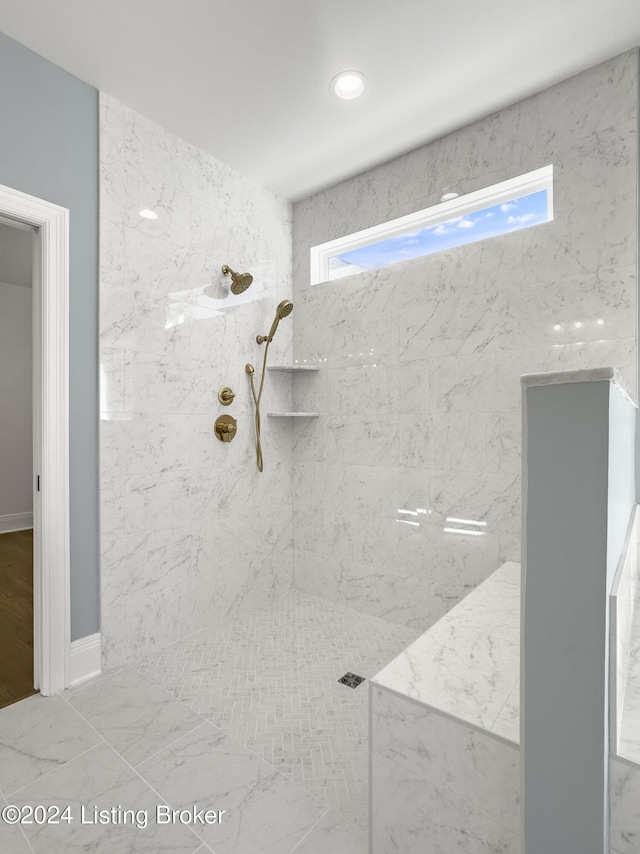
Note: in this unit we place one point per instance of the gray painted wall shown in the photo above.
(16, 484)
(49, 149)
(579, 496)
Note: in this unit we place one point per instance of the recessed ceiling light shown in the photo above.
(147, 214)
(448, 195)
(348, 85)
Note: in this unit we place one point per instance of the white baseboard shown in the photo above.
(16, 522)
(85, 659)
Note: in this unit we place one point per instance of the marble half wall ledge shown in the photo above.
(467, 665)
(472, 726)
(587, 375)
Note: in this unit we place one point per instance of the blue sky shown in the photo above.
(489, 222)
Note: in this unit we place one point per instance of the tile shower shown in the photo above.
(418, 390)
(188, 529)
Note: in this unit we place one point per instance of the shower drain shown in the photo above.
(351, 680)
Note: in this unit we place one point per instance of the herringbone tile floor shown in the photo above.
(268, 678)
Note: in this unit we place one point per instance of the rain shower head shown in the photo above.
(284, 309)
(239, 281)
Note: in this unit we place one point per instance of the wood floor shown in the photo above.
(16, 617)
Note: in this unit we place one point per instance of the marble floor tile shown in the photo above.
(100, 780)
(264, 811)
(291, 765)
(268, 678)
(38, 735)
(12, 839)
(133, 714)
(333, 834)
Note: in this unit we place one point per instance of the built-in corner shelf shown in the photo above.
(293, 369)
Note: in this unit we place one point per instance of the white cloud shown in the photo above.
(466, 223)
(507, 206)
(488, 214)
(410, 242)
(441, 229)
(520, 220)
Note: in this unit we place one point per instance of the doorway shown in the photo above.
(16, 463)
(50, 414)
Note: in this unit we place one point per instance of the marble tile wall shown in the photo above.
(440, 776)
(191, 531)
(419, 391)
(624, 792)
(467, 665)
(439, 784)
(623, 597)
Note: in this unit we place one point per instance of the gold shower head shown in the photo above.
(239, 281)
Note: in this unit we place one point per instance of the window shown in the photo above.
(509, 206)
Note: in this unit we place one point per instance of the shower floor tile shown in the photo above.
(247, 717)
(268, 678)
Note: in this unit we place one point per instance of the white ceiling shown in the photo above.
(247, 80)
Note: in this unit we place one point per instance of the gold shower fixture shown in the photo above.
(226, 395)
(239, 281)
(284, 309)
(226, 427)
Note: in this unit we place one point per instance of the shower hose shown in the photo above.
(256, 399)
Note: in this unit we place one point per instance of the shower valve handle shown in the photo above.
(226, 395)
(226, 428)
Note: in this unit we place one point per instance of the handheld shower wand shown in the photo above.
(284, 309)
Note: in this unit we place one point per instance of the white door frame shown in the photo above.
(51, 565)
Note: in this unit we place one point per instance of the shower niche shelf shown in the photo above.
(293, 414)
(293, 369)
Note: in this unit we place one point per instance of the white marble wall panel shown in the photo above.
(412, 815)
(508, 548)
(596, 167)
(451, 333)
(623, 600)
(443, 777)
(171, 336)
(597, 99)
(569, 248)
(624, 788)
(465, 673)
(507, 724)
(111, 381)
(468, 663)
(456, 764)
